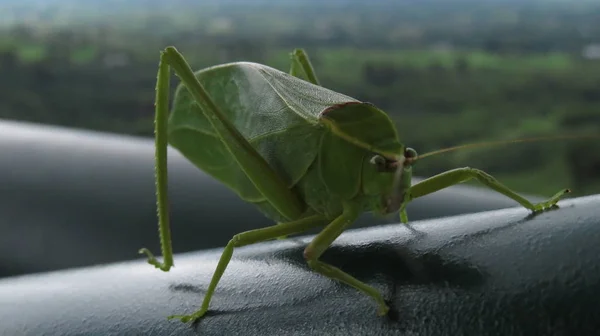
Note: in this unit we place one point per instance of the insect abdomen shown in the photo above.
(280, 123)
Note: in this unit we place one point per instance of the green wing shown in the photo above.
(277, 113)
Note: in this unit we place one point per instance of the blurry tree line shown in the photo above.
(447, 74)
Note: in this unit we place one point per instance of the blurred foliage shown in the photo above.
(448, 72)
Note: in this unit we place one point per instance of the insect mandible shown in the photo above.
(306, 156)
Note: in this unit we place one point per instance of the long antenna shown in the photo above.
(506, 142)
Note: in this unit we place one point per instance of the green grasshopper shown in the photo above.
(306, 156)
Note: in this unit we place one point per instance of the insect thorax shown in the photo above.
(341, 172)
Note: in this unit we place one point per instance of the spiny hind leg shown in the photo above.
(302, 68)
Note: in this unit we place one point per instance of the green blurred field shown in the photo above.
(447, 75)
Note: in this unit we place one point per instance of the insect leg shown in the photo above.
(266, 180)
(160, 130)
(323, 240)
(254, 166)
(247, 238)
(460, 175)
(302, 68)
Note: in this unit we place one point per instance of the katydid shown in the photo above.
(306, 156)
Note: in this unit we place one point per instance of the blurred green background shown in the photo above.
(449, 72)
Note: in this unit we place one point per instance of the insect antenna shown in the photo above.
(396, 199)
(507, 142)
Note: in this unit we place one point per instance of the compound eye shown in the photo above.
(379, 162)
(410, 153)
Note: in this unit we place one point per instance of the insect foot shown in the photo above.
(189, 318)
(550, 203)
(165, 267)
(383, 310)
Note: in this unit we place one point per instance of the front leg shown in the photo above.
(459, 175)
(323, 240)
